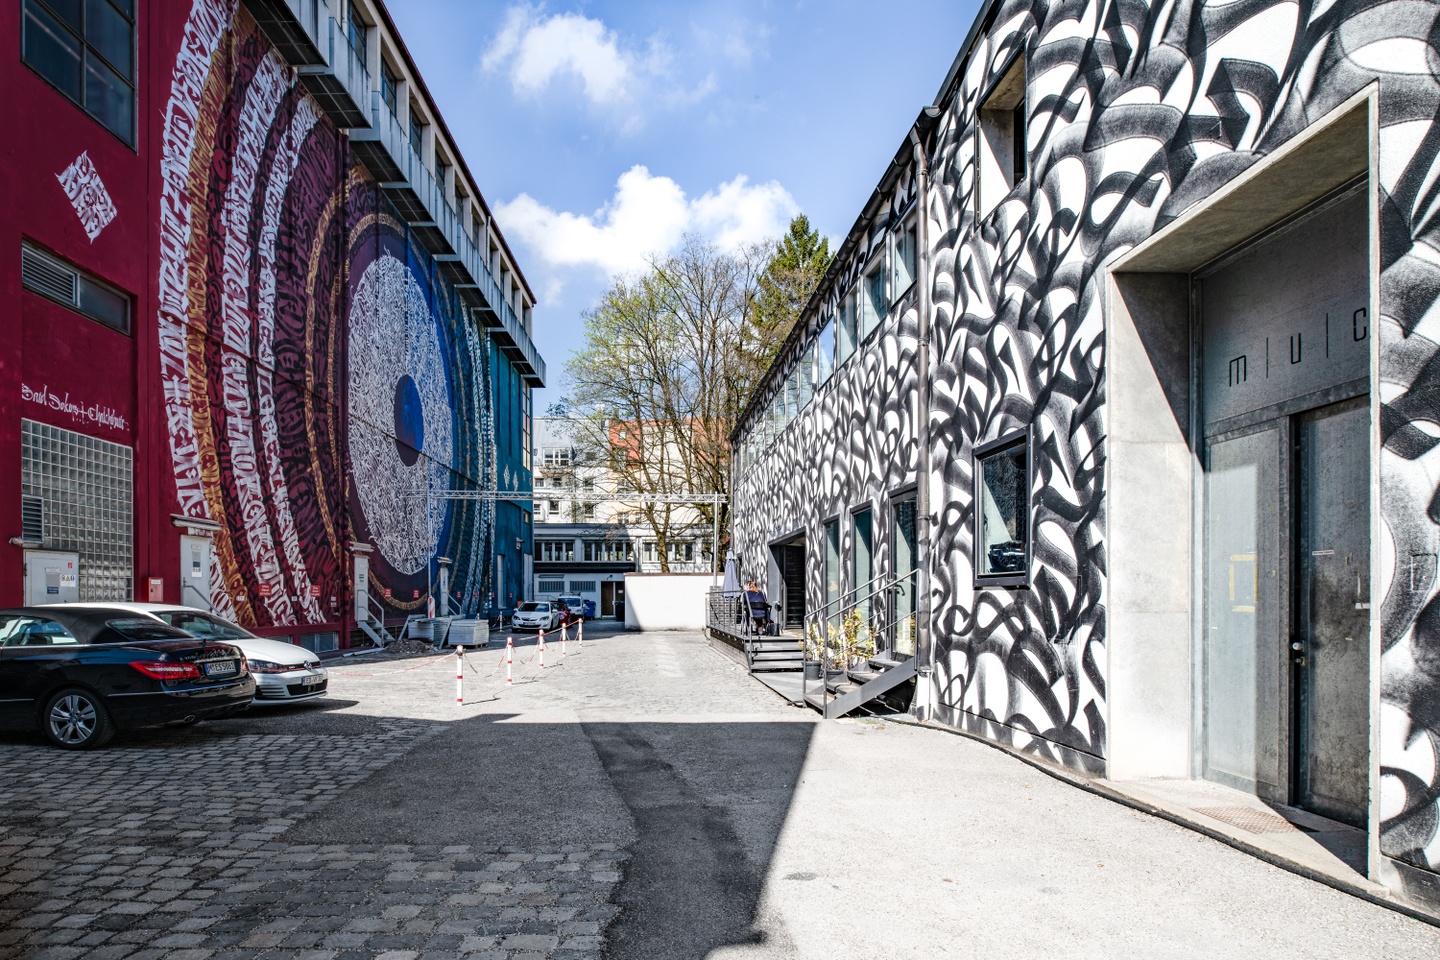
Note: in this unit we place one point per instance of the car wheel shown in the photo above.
(76, 719)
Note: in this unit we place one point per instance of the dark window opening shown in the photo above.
(1000, 154)
(1002, 511)
(53, 278)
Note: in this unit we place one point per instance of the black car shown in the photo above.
(80, 674)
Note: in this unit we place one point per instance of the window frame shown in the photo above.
(877, 265)
(986, 114)
(83, 276)
(1002, 444)
(131, 137)
(909, 226)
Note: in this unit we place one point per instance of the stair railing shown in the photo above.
(378, 621)
(820, 622)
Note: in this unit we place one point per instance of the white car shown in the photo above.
(283, 672)
(536, 615)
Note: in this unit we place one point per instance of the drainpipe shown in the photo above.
(924, 649)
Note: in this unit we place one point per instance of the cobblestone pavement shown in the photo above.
(639, 799)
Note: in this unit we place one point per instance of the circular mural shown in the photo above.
(401, 437)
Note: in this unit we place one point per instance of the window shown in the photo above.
(825, 354)
(648, 551)
(554, 506)
(33, 632)
(683, 550)
(792, 396)
(357, 33)
(87, 52)
(832, 573)
(863, 562)
(609, 551)
(1000, 139)
(555, 551)
(524, 518)
(845, 332)
(903, 263)
(417, 132)
(556, 457)
(57, 280)
(588, 511)
(528, 401)
(389, 89)
(874, 299)
(807, 376)
(1002, 499)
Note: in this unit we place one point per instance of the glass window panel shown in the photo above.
(109, 34)
(355, 31)
(807, 376)
(68, 11)
(863, 570)
(792, 396)
(825, 353)
(845, 334)
(1004, 512)
(874, 303)
(109, 98)
(389, 86)
(108, 307)
(832, 573)
(903, 263)
(52, 50)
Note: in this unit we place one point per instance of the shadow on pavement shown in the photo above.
(699, 806)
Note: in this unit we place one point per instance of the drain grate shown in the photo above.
(1251, 820)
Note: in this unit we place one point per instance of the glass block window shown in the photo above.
(86, 485)
(87, 52)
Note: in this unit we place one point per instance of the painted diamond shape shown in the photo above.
(88, 195)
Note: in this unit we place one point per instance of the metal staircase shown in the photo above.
(845, 684)
(773, 653)
(373, 626)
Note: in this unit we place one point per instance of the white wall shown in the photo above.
(666, 601)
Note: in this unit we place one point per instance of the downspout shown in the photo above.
(924, 648)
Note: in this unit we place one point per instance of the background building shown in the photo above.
(1124, 381)
(588, 535)
(262, 309)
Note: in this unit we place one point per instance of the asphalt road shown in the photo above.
(640, 798)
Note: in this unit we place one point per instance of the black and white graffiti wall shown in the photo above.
(1136, 112)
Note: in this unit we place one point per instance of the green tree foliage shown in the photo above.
(798, 261)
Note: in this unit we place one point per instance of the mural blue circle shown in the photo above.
(409, 420)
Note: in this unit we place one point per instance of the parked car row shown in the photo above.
(81, 671)
(546, 614)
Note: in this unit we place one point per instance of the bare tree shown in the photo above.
(661, 378)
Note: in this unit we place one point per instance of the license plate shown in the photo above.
(223, 668)
(313, 681)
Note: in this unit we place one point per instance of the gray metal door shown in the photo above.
(51, 576)
(1332, 612)
(195, 572)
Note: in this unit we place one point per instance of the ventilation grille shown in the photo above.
(32, 519)
(49, 277)
(551, 586)
(582, 586)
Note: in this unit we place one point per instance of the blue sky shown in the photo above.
(600, 132)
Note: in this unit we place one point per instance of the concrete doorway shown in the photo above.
(788, 593)
(1284, 678)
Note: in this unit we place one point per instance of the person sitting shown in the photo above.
(758, 607)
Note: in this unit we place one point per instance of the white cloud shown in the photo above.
(647, 215)
(536, 49)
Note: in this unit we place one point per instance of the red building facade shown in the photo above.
(260, 312)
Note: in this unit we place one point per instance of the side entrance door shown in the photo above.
(51, 576)
(195, 572)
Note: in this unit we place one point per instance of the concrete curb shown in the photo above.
(1102, 789)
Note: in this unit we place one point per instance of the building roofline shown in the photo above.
(404, 52)
(923, 124)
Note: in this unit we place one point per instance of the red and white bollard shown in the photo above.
(542, 649)
(580, 635)
(459, 675)
(564, 629)
(509, 658)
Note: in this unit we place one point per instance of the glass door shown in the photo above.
(1243, 676)
(902, 628)
(832, 575)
